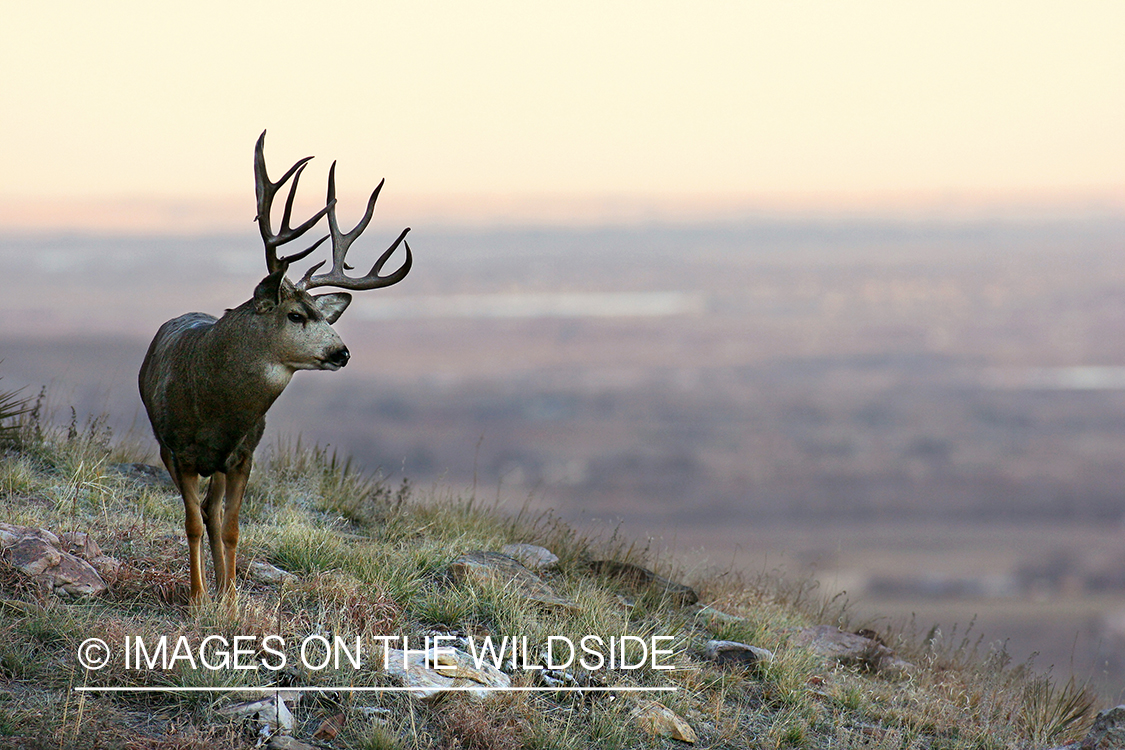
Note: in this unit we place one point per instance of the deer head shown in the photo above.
(304, 336)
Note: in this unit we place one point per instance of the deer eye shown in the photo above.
(296, 317)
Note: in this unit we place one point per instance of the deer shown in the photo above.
(207, 383)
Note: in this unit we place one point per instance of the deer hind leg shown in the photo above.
(237, 476)
(213, 519)
(166, 457)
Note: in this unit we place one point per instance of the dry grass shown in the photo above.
(374, 561)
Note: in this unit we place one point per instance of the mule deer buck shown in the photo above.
(207, 383)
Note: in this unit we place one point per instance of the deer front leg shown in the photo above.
(213, 519)
(188, 482)
(236, 479)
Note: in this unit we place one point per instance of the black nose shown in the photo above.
(340, 357)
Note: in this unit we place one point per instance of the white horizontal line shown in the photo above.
(388, 689)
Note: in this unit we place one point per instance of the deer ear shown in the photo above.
(267, 295)
(332, 306)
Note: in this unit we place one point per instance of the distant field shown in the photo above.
(1070, 628)
(931, 415)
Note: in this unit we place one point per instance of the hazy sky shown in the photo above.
(536, 109)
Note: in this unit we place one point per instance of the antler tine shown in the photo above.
(265, 191)
(342, 241)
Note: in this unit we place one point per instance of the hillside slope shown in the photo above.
(371, 566)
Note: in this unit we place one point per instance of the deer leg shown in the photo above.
(166, 457)
(188, 482)
(213, 519)
(237, 476)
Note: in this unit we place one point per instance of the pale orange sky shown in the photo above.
(145, 114)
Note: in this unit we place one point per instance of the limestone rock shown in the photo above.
(657, 719)
(32, 556)
(531, 556)
(10, 534)
(108, 568)
(74, 577)
(645, 578)
(436, 670)
(852, 649)
(494, 567)
(735, 653)
(7, 536)
(271, 712)
(1108, 732)
(79, 543)
(40, 555)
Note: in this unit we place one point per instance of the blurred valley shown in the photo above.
(929, 415)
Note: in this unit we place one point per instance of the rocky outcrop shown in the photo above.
(494, 567)
(531, 556)
(1108, 732)
(644, 579)
(852, 649)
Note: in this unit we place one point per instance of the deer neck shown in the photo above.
(249, 369)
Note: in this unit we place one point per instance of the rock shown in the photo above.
(108, 568)
(1108, 732)
(531, 556)
(32, 556)
(7, 536)
(735, 653)
(10, 534)
(79, 543)
(74, 577)
(434, 671)
(713, 616)
(271, 712)
(852, 649)
(494, 567)
(657, 719)
(262, 572)
(40, 555)
(246, 708)
(643, 577)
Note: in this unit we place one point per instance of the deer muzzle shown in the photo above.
(338, 358)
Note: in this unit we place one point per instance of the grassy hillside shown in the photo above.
(371, 560)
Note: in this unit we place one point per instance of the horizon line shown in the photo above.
(148, 215)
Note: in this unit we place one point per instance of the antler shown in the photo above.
(266, 191)
(341, 241)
